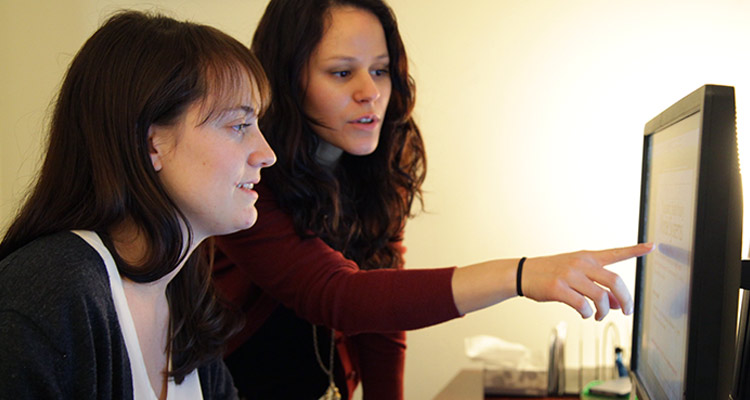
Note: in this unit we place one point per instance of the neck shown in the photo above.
(131, 246)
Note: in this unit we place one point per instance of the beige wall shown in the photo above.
(532, 111)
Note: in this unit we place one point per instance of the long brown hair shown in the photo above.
(137, 70)
(359, 208)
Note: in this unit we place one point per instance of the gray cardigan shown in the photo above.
(59, 333)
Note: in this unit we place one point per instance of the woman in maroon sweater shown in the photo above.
(327, 245)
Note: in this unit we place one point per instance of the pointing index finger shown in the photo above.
(615, 255)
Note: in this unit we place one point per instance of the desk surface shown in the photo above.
(467, 385)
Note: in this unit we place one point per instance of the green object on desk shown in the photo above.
(586, 395)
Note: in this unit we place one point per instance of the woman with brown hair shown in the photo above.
(327, 247)
(153, 148)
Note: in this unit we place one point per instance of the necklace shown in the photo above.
(332, 393)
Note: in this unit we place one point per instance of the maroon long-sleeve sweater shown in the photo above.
(269, 264)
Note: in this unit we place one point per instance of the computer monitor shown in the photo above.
(686, 289)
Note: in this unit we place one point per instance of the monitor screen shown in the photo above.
(672, 188)
(687, 288)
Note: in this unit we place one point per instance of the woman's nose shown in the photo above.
(367, 89)
(262, 155)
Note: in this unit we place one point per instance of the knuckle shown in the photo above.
(612, 280)
(567, 275)
(585, 262)
(559, 284)
(553, 290)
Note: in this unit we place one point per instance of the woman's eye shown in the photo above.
(342, 74)
(380, 72)
(240, 128)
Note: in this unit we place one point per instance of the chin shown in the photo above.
(250, 221)
(247, 224)
(364, 150)
(240, 225)
(361, 153)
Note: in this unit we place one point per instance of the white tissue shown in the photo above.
(493, 351)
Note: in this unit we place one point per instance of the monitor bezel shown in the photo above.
(714, 291)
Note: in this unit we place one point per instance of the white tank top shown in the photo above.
(190, 388)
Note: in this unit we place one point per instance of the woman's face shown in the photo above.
(347, 85)
(209, 168)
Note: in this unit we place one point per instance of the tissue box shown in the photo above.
(500, 381)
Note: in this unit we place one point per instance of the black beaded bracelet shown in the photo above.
(518, 276)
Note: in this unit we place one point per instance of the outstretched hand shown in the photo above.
(571, 278)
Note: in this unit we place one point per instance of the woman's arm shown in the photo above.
(30, 363)
(568, 278)
(322, 286)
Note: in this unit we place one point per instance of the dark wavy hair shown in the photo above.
(360, 207)
(138, 69)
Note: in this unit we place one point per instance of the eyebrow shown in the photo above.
(248, 110)
(348, 58)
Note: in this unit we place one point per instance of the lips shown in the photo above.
(366, 119)
(248, 186)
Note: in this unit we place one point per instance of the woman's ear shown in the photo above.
(155, 146)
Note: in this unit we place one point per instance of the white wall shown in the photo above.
(532, 111)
